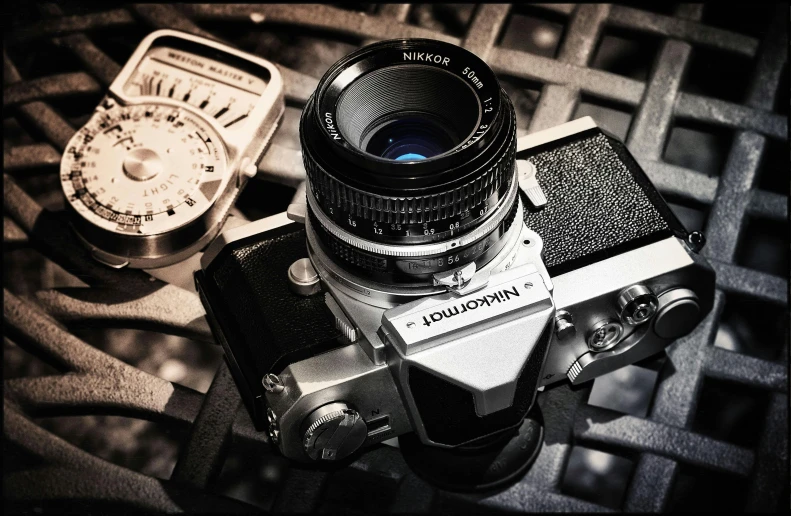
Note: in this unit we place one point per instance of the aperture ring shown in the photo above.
(334, 195)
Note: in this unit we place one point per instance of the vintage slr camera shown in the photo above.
(441, 270)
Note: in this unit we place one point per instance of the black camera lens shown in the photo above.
(409, 143)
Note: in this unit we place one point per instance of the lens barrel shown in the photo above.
(408, 143)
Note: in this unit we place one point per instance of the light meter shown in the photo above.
(152, 175)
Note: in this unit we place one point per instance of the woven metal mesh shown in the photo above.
(668, 448)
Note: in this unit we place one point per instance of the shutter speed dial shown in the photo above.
(333, 432)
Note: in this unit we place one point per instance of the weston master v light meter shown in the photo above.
(154, 172)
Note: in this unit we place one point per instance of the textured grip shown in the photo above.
(599, 202)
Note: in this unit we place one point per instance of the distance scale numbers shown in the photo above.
(143, 169)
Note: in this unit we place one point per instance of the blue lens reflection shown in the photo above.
(410, 138)
(409, 157)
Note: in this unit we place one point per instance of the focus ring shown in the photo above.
(414, 209)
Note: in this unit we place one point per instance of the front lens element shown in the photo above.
(423, 110)
(409, 137)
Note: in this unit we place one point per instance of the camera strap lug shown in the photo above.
(526, 172)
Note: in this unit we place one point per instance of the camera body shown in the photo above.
(591, 272)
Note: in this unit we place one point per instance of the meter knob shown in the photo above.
(333, 432)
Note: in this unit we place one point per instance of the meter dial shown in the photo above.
(144, 169)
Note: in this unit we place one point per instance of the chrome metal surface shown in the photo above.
(128, 221)
(273, 384)
(526, 173)
(564, 325)
(590, 294)
(57, 55)
(514, 252)
(342, 322)
(303, 278)
(345, 374)
(142, 164)
(480, 342)
(456, 279)
(297, 212)
(608, 358)
(604, 335)
(333, 432)
(637, 304)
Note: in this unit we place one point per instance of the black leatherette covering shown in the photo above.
(599, 202)
(277, 326)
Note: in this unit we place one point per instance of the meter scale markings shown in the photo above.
(229, 105)
(143, 169)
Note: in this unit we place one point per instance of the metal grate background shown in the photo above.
(553, 61)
